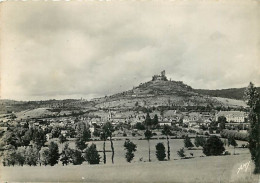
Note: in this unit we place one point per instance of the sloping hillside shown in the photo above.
(233, 93)
(157, 93)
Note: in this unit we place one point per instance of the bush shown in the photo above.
(92, 155)
(213, 147)
(139, 126)
(181, 153)
(160, 151)
(187, 142)
(227, 153)
(199, 141)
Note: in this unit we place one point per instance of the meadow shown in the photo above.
(197, 169)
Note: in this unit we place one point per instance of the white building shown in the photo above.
(233, 116)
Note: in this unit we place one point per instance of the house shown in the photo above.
(162, 123)
(233, 116)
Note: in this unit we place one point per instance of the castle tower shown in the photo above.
(163, 73)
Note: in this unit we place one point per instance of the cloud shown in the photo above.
(86, 49)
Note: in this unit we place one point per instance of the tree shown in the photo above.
(31, 156)
(155, 121)
(148, 121)
(181, 153)
(92, 155)
(66, 155)
(131, 148)
(20, 155)
(76, 157)
(232, 142)
(222, 122)
(108, 130)
(253, 101)
(148, 135)
(167, 131)
(55, 132)
(54, 153)
(83, 135)
(139, 126)
(213, 146)
(187, 142)
(160, 151)
(9, 157)
(199, 141)
(10, 138)
(103, 136)
(44, 155)
(62, 139)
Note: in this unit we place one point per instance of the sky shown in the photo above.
(58, 50)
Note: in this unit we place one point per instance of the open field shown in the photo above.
(142, 149)
(206, 170)
(197, 169)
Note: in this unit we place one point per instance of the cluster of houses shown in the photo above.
(193, 120)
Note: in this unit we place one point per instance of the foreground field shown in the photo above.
(218, 169)
(200, 169)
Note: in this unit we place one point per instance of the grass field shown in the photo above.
(213, 169)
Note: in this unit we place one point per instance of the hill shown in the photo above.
(162, 92)
(232, 93)
(155, 93)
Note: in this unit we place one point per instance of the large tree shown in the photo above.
(213, 146)
(83, 135)
(148, 121)
(108, 130)
(92, 155)
(253, 101)
(155, 121)
(167, 131)
(103, 136)
(160, 151)
(222, 122)
(148, 135)
(54, 153)
(131, 148)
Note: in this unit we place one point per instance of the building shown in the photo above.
(161, 77)
(233, 116)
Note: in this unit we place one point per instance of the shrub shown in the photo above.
(213, 146)
(160, 151)
(139, 126)
(187, 142)
(199, 141)
(181, 153)
(227, 153)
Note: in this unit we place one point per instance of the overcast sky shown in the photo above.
(88, 49)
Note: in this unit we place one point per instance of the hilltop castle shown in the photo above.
(160, 77)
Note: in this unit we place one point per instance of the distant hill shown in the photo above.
(232, 93)
(162, 92)
(159, 91)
